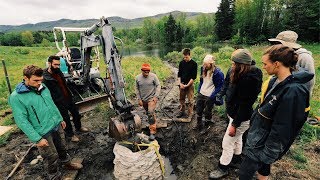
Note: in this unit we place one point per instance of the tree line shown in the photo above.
(239, 21)
(252, 21)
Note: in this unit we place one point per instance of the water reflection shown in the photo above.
(157, 51)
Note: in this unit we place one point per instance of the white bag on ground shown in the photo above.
(136, 165)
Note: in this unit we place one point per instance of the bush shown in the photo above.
(174, 57)
(197, 54)
(225, 53)
(45, 43)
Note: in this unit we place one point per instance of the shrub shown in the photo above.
(197, 54)
(225, 53)
(174, 57)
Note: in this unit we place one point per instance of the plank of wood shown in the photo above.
(72, 174)
(177, 119)
(4, 129)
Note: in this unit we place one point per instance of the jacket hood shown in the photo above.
(302, 50)
(47, 75)
(255, 73)
(302, 76)
(22, 88)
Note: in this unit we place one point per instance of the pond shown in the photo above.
(158, 51)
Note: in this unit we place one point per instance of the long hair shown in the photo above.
(206, 71)
(238, 71)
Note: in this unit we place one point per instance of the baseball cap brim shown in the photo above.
(289, 44)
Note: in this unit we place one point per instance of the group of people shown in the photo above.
(271, 127)
(41, 104)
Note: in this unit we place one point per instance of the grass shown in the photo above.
(16, 58)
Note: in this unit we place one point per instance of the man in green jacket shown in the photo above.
(37, 116)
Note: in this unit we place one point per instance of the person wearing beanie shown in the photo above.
(241, 88)
(278, 119)
(305, 59)
(211, 82)
(148, 91)
(187, 74)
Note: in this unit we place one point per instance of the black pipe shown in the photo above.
(7, 77)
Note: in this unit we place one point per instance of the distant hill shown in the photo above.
(116, 21)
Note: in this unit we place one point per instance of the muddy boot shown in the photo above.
(220, 172)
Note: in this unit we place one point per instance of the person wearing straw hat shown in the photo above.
(148, 91)
(305, 59)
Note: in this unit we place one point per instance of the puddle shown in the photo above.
(169, 174)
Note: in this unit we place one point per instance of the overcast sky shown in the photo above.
(16, 12)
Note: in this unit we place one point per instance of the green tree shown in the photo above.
(170, 31)
(179, 34)
(148, 30)
(303, 17)
(224, 19)
(27, 38)
(12, 39)
(37, 37)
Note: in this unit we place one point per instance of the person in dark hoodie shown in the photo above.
(62, 97)
(242, 86)
(283, 109)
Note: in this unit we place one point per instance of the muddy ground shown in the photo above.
(193, 154)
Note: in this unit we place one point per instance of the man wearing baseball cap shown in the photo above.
(148, 91)
(305, 59)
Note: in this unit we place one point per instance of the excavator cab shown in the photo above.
(84, 79)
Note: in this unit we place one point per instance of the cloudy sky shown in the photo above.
(16, 12)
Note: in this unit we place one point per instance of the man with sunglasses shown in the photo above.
(148, 91)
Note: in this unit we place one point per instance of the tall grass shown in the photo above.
(131, 68)
(16, 58)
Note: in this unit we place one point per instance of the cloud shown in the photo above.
(15, 12)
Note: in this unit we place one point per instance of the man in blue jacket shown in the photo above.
(37, 116)
(211, 82)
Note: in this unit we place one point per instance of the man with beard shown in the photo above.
(62, 97)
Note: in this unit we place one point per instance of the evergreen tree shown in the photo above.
(224, 19)
(302, 16)
(180, 34)
(170, 28)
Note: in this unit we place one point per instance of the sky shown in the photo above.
(17, 12)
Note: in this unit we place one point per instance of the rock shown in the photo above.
(35, 161)
(180, 168)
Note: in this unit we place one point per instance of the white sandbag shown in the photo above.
(137, 165)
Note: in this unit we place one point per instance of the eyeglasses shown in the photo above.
(146, 71)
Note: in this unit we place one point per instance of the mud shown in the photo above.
(192, 153)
